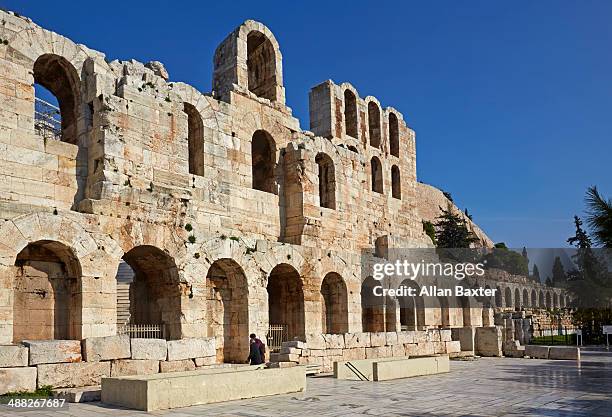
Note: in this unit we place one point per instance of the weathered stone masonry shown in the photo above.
(231, 217)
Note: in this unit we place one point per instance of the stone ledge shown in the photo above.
(537, 352)
(184, 389)
(17, 379)
(54, 351)
(106, 348)
(410, 367)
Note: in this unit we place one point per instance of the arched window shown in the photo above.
(61, 79)
(377, 179)
(327, 181)
(350, 114)
(394, 134)
(261, 65)
(263, 154)
(396, 183)
(374, 124)
(195, 139)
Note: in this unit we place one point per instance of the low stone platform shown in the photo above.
(183, 389)
(79, 395)
(411, 367)
(359, 370)
(553, 352)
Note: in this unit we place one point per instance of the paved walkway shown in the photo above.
(485, 387)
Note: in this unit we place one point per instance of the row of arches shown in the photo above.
(374, 123)
(528, 298)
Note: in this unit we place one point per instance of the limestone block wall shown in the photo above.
(76, 363)
(325, 349)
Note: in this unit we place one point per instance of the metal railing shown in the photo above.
(142, 331)
(277, 334)
(47, 120)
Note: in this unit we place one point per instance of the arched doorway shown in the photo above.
(334, 305)
(498, 297)
(508, 297)
(46, 303)
(155, 293)
(517, 299)
(286, 301)
(534, 298)
(228, 310)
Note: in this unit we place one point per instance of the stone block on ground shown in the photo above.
(291, 350)
(124, 367)
(294, 344)
(13, 356)
(564, 352)
(17, 379)
(53, 351)
(153, 349)
(537, 352)
(207, 361)
(71, 375)
(106, 348)
(453, 346)
(177, 366)
(191, 348)
(488, 341)
(79, 395)
(386, 370)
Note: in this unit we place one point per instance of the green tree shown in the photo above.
(536, 273)
(430, 231)
(599, 217)
(590, 281)
(452, 232)
(503, 258)
(559, 278)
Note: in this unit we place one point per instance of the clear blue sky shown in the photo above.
(511, 101)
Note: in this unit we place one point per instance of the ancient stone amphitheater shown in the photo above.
(143, 206)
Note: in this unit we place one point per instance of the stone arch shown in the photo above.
(47, 292)
(548, 300)
(350, 114)
(561, 301)
(393, 134)
(335, 304)
(377, 177)
(412, 309)
(488, 301)
(534, 298)
(568, 301)
(228, 310)
(374, 124)
(396, 183)
(250, 57)
(195, 139)
(525, 298)
(261, 65)
(517, 298)
(60, 77)
(286, 300)
(541, 302)
(555, 300)
(155, 293)
(507, 297)
(263, 157)
(498, 297)
(372, 307)
(327, 181)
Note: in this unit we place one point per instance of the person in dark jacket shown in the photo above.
(255, 351)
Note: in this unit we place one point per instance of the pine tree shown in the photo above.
(590, 282)
(559, 279)
(536, 273)
(452, 232)
(599, 217)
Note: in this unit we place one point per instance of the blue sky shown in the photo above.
(511, 101)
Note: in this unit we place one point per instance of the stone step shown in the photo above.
(79, 395)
